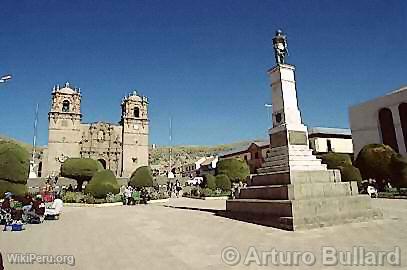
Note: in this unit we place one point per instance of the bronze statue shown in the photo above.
(280, 47)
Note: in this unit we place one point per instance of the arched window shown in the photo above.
(387, 128)
(403, 121)
(65, 106)
(136, 112)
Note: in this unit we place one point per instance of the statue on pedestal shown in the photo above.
(280, 47)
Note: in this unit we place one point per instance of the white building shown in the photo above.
(324, 140)
(381, 120)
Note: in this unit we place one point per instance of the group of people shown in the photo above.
(131, 196)
(174, 189)
(24, 209)
(27, 209)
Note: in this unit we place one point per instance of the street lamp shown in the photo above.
(5, 78)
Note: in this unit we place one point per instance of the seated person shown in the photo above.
(6, 205)
(38, 208)
(55, 209)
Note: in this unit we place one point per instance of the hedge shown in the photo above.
(210, 181)
(80, 169)
(142, 177)
(223, 182)
(336, 160)
(236, 169)
(101, 184)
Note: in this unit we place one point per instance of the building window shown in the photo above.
(387, 129)
(403, 121)
(329, 145)
(65, 106)
(136, 112)
(256, 155)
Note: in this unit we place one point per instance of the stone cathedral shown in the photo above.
(121, 148)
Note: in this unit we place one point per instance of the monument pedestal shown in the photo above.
(293, 190)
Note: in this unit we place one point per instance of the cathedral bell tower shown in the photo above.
(64, 120)
(135, 126)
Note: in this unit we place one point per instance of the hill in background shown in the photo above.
(159, 156)
(183, 154)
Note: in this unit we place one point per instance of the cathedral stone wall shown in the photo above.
(121, 148)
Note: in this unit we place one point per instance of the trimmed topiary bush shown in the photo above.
(210, 181)
(142, 177)
(80, 169)
(102, 183)
(236, 169)
(14, 168)
(350, 173)
(399, 171)
(17, 189)
(223, 182)
(336, 160)
(374, 161)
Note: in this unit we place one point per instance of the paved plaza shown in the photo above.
(177, 235)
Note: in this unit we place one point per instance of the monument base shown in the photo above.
(298, 200)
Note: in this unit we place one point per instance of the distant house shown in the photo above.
(324, 140)
(199, 167)
(321, 140)
(208, 165)
(253, 153)
(381, 120)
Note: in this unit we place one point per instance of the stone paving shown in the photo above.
(174, 236)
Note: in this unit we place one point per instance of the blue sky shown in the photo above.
(203, 62)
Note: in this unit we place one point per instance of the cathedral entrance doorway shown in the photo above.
(103, 162)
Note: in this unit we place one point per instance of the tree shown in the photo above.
(399, 171)
(223, 182)
(14, 168)
(142, 177)
(210, 181)
(374, 161)
(350, 173)
(102, 183)
(236, 169)
(80, 169)
(336, 160)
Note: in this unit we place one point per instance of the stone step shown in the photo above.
(310, 162)
(313, 167)
(299, 191)
(302, 213)
(294, 224)
(293, 167)
(297, 177)
(280, 208)
(286, 158)
(332, 219)
(281, 152)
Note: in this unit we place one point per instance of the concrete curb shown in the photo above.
(93, 205)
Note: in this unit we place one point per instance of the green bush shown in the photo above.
(350, 173)
(236, 169)
(336, 160)
(101, 184)
(223, 182)
(374, 161)
(80, 169)
(210, 181)
(14, 168)
(142, 177)
(73, 197)
(399, 171)
(17, 189)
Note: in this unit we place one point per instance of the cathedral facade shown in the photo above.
(121, 148)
